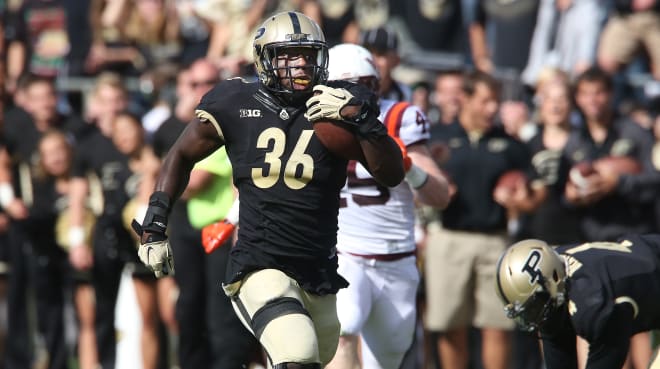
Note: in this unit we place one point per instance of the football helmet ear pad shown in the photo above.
(287, 30)
(531, 282)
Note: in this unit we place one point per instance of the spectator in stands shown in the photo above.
(446, 96)
(515, 119)
(183, 109)
(194, 31)
(111, 242)
(462, 251)
(157, 97)
(421, 96)
(383, 43)
(634, 25)
(565, 37)
(553, 221)
(132, 36)
(38, 41)
(336, 18)
(500, 34)
(416, 18)
(613, 204)
(23, 129)
(45, 233)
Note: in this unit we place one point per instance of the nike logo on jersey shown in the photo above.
(249, 113)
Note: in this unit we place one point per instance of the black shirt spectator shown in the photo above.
(474, 165)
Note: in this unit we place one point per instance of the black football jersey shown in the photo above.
(603, 274)
(288, 185)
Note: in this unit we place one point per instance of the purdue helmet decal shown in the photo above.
(531, 282)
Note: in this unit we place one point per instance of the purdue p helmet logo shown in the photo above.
(531, 267)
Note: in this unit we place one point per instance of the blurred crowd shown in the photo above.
(94, 92)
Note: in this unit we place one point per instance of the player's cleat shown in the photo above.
(216, 234)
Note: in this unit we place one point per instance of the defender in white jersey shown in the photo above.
(375, 241)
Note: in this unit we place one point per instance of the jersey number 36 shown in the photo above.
(298, 170)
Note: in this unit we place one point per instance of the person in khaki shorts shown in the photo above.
(461, 254)
(634, 25)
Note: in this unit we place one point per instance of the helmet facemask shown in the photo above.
(533, 313)
(279, 79)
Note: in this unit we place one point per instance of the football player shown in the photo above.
(282, 273)
(376, 242)
(604, 292)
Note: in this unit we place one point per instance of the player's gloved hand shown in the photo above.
(216, 234)
(328, 102)
(155, 251)
(349, 102)
(156, 254)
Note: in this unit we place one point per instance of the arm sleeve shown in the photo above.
(610, 350)
(560, 353)
(559, 345)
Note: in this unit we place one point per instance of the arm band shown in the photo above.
(155, 220)
(416, 177)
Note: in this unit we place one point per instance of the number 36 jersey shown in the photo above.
(375, 219)
(288, 184)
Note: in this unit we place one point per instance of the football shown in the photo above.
(339, 139)
(618, 165)
(510, 180)
(580, 172)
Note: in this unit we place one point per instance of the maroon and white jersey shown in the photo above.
(375, 219)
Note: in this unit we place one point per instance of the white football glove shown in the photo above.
(327, 104)
(157, 256)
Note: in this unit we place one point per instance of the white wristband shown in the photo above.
(140, 213)
(76, 236)
(6, 194)
(232, 214)
(416, 177)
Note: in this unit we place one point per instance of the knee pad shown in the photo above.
(297, 366)
(274, 309)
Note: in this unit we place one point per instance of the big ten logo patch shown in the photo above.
(249, 113)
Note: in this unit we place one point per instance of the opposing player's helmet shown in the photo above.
(353, 63)
(286, 30)
(531, 281)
